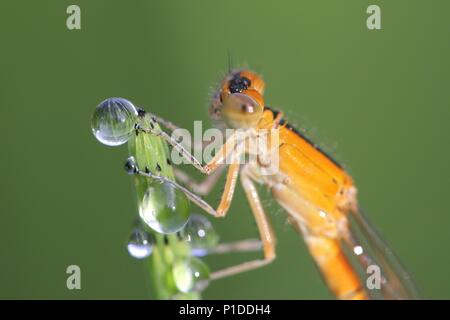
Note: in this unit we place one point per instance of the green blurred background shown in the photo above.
(378, 99)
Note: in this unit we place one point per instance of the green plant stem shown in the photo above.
(150, 152)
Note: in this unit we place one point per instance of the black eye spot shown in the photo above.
(238, 83)
(243, 108)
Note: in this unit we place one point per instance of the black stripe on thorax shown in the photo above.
(308, 140)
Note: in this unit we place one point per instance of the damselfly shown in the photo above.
(316, 192)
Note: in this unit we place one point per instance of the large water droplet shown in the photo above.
(190, 275)
(113, 121)
(140, 244)
(164, 208)
(200, 233)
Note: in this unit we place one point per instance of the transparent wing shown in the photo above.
(372, 252)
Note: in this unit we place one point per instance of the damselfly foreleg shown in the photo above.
(265, 232)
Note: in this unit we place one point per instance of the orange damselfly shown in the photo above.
(316, 192)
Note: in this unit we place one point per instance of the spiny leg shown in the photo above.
(228, 192)
(186, 154)
(165, 123)
(226, 196)
(203, 187)
(264, 228)
(192, 196)
(219, 159)
(177, 146)
(237, 246)
(247, 245)
(172, 127)
(231, 151)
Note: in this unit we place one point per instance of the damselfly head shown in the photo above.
(240, 81)
(239, 102)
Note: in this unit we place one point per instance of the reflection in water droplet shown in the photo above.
(164, 208)
(140, 244)
(113, 121)
(200, 233)
(199, 252)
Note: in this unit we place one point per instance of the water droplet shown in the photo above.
(200, 273)
(113, 121)
(190, 275)
(164, 208)
(140, 244)
(200, 233)
(130, 166)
